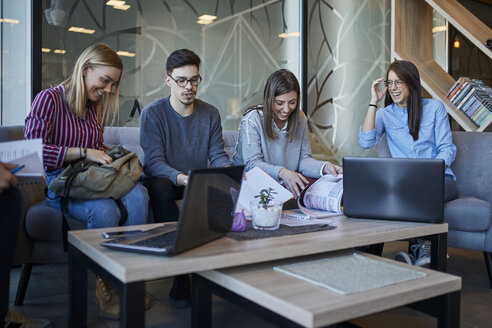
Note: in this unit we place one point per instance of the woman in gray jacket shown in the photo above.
(274, 136)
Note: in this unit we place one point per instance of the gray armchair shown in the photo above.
(40, 234)
(469, 216)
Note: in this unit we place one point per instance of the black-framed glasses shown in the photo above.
(182, 82)
(397, 83)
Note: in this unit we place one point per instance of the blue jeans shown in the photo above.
(103, 212)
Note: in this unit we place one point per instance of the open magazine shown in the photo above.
(321, 199)
(28, 154)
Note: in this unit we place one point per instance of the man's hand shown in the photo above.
(182, 179)
(7, 179)
(295, 182)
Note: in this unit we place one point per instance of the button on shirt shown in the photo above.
(435, 140)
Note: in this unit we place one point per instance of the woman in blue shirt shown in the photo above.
(414, 128)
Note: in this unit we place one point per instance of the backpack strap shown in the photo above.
(123, 211)
(64, 204)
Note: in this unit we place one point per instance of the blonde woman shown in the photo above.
(70, 119)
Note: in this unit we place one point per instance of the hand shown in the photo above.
(333, 169)
(98, 156)
(295, 182)
(377, 95)
(7, 179)
(182, 179)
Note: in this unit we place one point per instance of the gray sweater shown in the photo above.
(254, 149)
(174, 144)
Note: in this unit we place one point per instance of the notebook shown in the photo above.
(206, 214)
(394, 189)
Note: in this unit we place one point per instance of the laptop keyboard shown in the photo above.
(159, 241)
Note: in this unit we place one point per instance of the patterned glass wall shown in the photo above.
(349, 47)
(239, 48)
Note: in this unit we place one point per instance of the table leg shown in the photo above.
(132, 307)
(439, 251)
(449, 310)
(201, 303)
(77, 289)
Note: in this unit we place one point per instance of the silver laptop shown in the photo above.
(394, 189)
(206, 214)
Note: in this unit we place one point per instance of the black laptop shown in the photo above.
(394, 188)
(206, 214)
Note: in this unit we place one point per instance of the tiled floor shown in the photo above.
(47, 297)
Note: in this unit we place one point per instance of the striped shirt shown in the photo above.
(51, 120)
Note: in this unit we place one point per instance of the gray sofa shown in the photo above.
(469, 216)
(40, 233)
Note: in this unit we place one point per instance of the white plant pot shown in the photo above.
(266, 218)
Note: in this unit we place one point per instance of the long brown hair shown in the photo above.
(76, 95)
(408, 73)
(279, 83)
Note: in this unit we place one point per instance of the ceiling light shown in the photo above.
(288, 35)
(59, 51)
(115, 3)
(206, 17)
(441, 28)
(9, 20)
(81, 30)
(204, 22)
(125, 53)
(456, 43)
(122, 7)
(45, 50)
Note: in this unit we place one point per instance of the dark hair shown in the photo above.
(180, 58)
(279, 83)
(409, 74)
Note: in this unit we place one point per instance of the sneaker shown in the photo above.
(180, 294)
(16, 320)
(421, 252)
(405, 258)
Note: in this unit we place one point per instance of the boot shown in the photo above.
(109, 301)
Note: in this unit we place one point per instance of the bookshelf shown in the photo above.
(411, 36)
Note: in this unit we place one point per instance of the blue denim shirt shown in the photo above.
(435, 140)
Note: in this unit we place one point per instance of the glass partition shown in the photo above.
(240, 44)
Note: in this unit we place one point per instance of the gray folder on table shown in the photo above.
(405, 189)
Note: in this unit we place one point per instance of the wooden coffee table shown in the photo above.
(127, 272)
(290, 302)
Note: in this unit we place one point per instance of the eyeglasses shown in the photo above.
(397, 83)
(182, 82)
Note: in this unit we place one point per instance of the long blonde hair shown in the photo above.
(76, 95)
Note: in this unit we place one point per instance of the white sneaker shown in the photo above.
(405, 258)
(421, 251)
(14, 319)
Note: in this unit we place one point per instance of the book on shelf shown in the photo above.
(473, 98)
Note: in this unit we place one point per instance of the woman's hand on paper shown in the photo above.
(333, 169)
(98, 156)
(293, 181)
(7, 179)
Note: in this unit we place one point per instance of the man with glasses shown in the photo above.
(178, 133)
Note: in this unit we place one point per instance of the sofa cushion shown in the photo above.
(468, 214)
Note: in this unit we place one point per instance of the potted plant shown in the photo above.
(266, 211)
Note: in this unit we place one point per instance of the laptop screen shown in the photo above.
(394, 188)
(208, 205)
